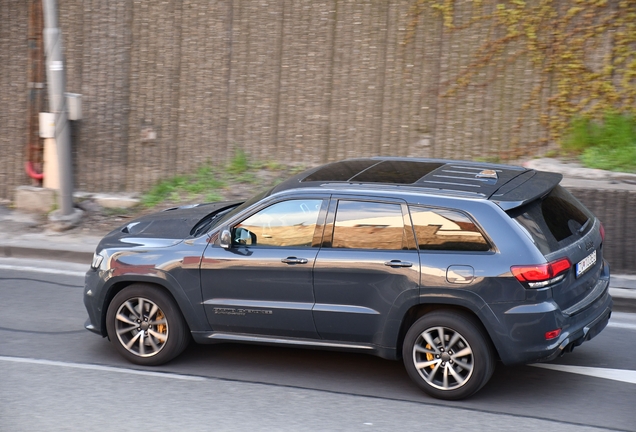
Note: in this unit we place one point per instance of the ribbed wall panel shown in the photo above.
(170, 85)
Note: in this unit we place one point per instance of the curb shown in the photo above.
(78, 257)
(623, 291)
(624, 305)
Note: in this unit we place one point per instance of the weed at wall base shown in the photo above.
(609, 144)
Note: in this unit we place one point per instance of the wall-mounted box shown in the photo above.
(47, 125)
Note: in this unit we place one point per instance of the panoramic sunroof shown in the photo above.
(399, 172)
(340, 171)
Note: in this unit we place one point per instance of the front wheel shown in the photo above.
(448, 355)
(146, 326)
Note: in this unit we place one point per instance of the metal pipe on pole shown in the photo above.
(56, 78)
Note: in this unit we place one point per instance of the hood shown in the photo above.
(162, 229)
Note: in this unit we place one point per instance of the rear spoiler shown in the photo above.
(525, 188)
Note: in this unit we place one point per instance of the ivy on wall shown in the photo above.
(583, 50)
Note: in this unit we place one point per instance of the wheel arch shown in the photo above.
(417, 311)
(116, 285)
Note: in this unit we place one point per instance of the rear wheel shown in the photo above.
(448, 355)
(146, 326)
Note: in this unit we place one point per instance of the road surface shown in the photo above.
(54, 375)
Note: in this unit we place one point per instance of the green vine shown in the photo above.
(557, 36)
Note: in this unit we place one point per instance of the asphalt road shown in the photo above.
(54, 375)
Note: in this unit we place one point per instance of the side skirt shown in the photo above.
(220, 337)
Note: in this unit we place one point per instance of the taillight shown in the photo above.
(602, 233)
(541, 275)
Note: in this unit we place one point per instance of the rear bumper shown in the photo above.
(583, 335)
(527, 324)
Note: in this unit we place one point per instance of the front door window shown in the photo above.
(286, 224)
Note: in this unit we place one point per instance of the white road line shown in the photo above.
(622, 325)
(100, 368)
(42, 270)
(623, 375)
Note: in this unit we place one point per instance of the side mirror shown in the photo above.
(225, 239)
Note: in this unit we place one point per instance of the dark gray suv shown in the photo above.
(450, 265)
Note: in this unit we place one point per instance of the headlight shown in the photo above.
(97, 260)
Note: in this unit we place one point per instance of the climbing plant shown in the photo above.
(583, 50)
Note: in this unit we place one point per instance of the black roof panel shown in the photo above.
(396, 172)
(470, 177)
(479, 179)
(340, 171)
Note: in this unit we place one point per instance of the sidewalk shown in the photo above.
(24, 236)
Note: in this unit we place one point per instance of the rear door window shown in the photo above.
(369, 225)
(555, 221)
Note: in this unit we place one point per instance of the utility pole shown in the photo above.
(56, 87)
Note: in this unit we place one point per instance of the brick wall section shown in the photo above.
(616, 209)
(13, 94)
(173, 84)
(97, 41)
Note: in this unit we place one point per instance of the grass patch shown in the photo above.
(185, 187)
(239, 163)
(621, 159)
(246, 177)
(117, 211)
(488, 159)
(609, 144)
(207, 183)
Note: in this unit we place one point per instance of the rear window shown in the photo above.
(554, 221)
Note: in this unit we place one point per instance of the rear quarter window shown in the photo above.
(446, 230)
(554, 221)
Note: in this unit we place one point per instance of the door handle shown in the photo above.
(294, 260)
(398, 263)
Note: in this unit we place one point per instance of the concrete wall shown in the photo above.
(13, 95)
(173, 84)
(617, 210)
(170, 85)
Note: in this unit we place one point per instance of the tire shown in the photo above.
(448, 355)
(151, 337)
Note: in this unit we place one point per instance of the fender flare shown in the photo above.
(194, 318)
(464, 299)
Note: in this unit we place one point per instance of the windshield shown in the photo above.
(226, 215)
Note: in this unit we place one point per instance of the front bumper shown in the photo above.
(88, 325)
(93, 302)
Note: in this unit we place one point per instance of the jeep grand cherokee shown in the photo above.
(449, 265)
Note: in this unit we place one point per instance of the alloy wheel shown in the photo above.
(443, 358)
(141, 327)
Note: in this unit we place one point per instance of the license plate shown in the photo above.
(585, 264)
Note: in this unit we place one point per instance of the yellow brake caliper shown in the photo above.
(161, 328)
(430, 356)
